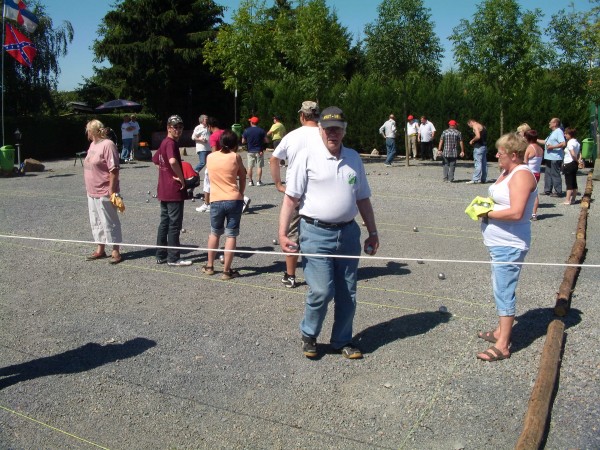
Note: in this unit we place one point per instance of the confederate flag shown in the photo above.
(18, 46)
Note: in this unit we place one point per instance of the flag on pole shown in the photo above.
(18, 46)
(16, 10)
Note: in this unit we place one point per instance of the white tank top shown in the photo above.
(535, 164)
(508, 233)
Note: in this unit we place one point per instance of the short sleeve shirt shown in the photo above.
(102, 158)
(451, 138)
(215, 139)
(169, 189)
(295, 141)
(255, 137)
(328, 187)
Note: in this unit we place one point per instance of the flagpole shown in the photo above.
(3, 36)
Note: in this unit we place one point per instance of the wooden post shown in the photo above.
(541, 396)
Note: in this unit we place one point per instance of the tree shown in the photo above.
(155, 51)
(500, 46)
(401, 46)
(29, 90)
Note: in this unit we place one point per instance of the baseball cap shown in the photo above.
(332, 117)
(174, 120)
(453, 123)
(410, 118)
(253, 120)
(309, 107)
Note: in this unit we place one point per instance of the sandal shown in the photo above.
(96, 255)
(493, 354)
(487, 336)
(116, 260)
(229, 275)
(208, 270)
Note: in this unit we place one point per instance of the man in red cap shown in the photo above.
(448, 149)
(256, 138)
(412, 129)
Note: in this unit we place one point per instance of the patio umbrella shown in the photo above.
(119, 104)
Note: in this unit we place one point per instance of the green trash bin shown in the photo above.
(588, 149)
(237, 129)
(7, 158)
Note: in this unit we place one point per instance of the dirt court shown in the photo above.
(142, 356)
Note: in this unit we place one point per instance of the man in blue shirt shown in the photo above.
(256, 138)
(553, 158)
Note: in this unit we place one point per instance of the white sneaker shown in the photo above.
(259, 183)
(246, 204)
(180, 262)
(250, 183)
(203, 208)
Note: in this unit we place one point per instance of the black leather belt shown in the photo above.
(327, 225)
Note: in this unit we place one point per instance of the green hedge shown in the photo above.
(52, 137)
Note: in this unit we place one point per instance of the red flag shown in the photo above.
(18, 46)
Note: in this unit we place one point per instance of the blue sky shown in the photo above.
(85, 16)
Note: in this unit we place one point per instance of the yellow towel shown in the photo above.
(117, 200)
(479, 206)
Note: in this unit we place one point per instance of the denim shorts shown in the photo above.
(505, 277)
(230, 210)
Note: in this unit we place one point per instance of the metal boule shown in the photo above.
(441, 276)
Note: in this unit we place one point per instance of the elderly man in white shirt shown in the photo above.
(426, 135)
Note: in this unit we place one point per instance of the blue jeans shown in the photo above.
(126, 152)
(202, 163)
(505, 277)
(171, 219)
(390, 146)
(226, 209)
(480, 158)
(330, 278)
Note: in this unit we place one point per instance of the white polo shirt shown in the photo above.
(201, 131)
(425, 131)
(412, 127)
(328, 187)
(294, 141)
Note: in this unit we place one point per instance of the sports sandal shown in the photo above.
(96, 255)
(487, 336)
(229, 275)
(493, 354)
(208, 270)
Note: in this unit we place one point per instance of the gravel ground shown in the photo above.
(140, 356)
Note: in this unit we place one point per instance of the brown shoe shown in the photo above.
(96, 255)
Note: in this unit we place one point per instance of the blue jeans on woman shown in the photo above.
(505, 277)
(480, 170)
(330, 278)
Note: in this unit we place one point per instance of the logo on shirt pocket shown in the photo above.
(352, 179)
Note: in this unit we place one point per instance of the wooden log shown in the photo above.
(541, 396)
(563, 297)
(582, 223)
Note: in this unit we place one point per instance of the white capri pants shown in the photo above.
(104, 219)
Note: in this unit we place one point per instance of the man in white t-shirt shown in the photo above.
(135, 146)
(426, 135)
(200, 136)
(127, 130)
(329, 184)
(307, 136)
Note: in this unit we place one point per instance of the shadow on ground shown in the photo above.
(82, 359)
(370, 339)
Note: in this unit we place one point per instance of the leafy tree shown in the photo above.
(401, 46)
(154, 48)
(500, 46)
(29, 90)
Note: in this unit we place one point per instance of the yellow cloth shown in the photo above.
(117, 201)
(479, 206)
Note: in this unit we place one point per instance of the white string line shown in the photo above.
(312, 255)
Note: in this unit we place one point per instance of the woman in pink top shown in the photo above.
(227, 184)
(101, 176)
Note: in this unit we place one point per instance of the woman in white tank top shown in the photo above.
(533, 158)
(507, 234)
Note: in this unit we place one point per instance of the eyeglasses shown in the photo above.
(177, 127)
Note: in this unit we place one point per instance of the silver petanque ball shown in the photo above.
(275, 242)
(441, 276)
(443, 309)
(193, 200)
(147, 200)
(415, 229)
(183, 230)
(222, 259)
(148, 192)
